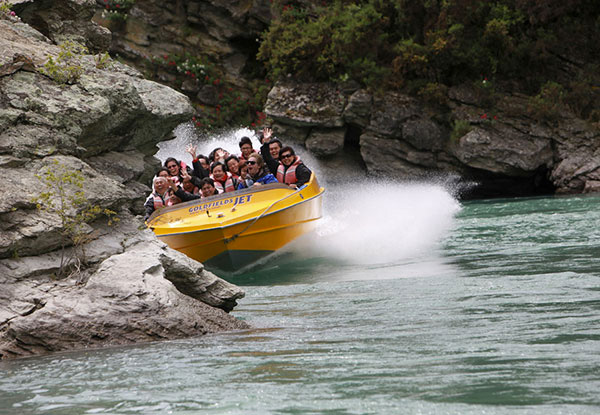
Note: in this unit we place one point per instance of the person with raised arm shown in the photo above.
(199, 163)
(269, 149)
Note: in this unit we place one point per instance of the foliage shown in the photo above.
(322, 43)
(231, 106)
(62, 195)
(66, 68)
(6, 12)
(459, 129)
(103, 60)
(117, 10)
(195, 67)
(404, 43)
(434, 93)
(548, 104)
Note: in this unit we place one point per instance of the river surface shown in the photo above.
(408, 302)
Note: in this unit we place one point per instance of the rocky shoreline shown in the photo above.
(129, 287)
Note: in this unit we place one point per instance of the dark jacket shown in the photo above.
(186, 196)
(271, 163)
(199, 171)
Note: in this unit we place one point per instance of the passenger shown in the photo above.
(208, 187)
(163, 172)
(291, 170)
(233, 166)
(218, 154)
(256, 169)
(244, 175)
(270, 150)
(200, 164)
(224, 182)
(189, 186)
(176, 169)
(160, 196)
(246, 148)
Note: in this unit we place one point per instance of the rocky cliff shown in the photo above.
(102, 123)
(508, 152)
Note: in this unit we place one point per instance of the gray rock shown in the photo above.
(125, 286)
(66, 20)
(306, 105)
(424, 134)
(325, 142)
(358, 110)
(129, 299)
(139, 290)
(512, 154)
(290, 134)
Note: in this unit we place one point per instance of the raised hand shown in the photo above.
(267, 133)
(192, 149)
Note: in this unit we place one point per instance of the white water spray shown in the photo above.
(371, 222)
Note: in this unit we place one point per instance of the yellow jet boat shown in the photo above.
(232, 230)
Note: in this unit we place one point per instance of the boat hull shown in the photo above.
(232, 238)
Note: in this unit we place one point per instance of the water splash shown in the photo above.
(376, 222)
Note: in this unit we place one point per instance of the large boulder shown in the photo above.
(142, 292)
(65, 20)
(304, 105)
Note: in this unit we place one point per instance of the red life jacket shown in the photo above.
(288, 176)
(159, 201)
(226, 185)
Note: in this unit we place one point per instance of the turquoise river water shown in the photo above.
(407, 302)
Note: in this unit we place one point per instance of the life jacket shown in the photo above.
(160, 201)
(228, 185)
(288, 176)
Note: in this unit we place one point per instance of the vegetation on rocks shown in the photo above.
(66, 68)
(62, 195)
(230, 107)
(406, 45)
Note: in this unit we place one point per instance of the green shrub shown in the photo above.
(548, 104)
(459, 129)
(66, 68)
(62, 195)
(103, 61)
(322, 44)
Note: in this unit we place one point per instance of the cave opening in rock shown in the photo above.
(493, 185)
(352, 144)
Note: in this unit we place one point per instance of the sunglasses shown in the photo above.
(251, 163)
(285, 156)
(172, 166)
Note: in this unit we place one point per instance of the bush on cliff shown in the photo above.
(404, 43)
(62, 195)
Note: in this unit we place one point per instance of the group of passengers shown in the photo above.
(221, 172)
